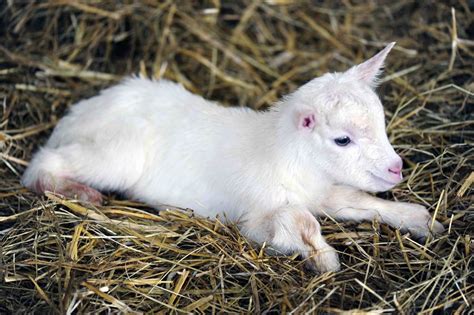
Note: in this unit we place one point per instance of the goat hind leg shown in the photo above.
(48, 172)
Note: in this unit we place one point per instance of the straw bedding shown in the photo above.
(60, 256)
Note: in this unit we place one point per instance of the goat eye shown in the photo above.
(342, 141)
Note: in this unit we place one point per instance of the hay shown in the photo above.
(58, 256)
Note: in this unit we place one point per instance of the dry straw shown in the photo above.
(58, 256)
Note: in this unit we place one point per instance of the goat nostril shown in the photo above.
(395, 171)
(396, 168)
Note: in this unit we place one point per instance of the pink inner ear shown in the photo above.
(307, 121)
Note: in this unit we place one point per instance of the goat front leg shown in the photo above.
(293, 230)
(347, 203)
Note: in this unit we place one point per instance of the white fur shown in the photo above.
(269, 171)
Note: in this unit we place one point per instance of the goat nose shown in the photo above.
(396, 167)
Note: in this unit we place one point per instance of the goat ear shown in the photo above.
(369, 70)
(306, 120)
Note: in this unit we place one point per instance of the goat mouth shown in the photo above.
(383, 180)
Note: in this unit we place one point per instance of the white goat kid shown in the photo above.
(313, 153)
